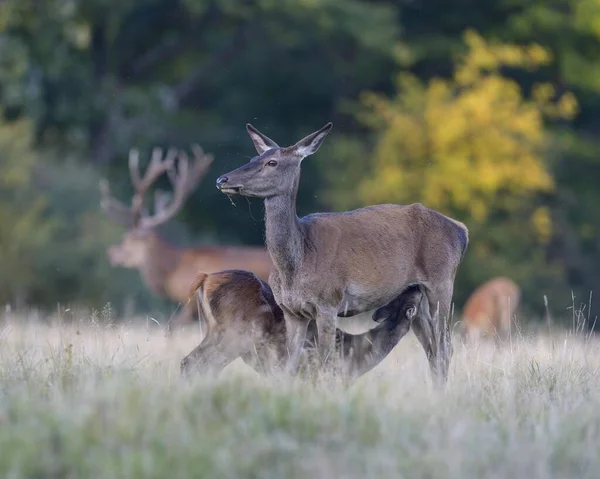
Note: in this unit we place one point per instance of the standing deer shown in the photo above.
(242, 319)
(168, 270)
(330, 264)
(490, 308)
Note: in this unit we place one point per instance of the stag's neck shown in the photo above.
(162, 259)
(284, 233)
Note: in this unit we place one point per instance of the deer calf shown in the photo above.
(242, 319)
(490, 308)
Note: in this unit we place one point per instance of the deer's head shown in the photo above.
(133, 250)
(407, 305)
(136, 246)
(276, 170)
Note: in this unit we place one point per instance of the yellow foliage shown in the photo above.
(470, 143)
(487, 57)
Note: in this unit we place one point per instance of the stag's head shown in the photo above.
(275, 171)
(133, 250)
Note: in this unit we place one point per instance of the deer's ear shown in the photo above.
(261, 142)
(309, 145)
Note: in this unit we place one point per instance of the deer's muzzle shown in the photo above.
(224, 186)
(115, 255)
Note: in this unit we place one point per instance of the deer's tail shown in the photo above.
(196, 285)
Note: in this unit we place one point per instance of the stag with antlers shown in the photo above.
(167, 269)
(332, 264)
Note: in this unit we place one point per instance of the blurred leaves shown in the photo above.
(472, 146)
(94, 78)
(52, 235)
(498, 128)
(24, 229)
(467, 144)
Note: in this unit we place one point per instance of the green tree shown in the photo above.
(472, 146)
(96, 77)
(52, 236)
(569, 30)
(24, 228)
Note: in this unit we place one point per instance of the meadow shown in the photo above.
(85, 399)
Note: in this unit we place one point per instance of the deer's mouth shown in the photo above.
(230, 190)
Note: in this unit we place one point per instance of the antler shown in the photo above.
(155, 169)
(183, 181)
(114, 209)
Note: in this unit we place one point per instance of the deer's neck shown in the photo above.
(284, 233)
(161, 261)
(365, 351)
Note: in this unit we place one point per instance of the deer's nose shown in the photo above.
(221, 180)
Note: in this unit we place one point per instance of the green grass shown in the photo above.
(97, 402)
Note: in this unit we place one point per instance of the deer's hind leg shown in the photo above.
(432, 329)
(215, 352)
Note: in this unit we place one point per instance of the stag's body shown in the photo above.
(490, 308)
(167, 269)
(242, 319)
(342, 264)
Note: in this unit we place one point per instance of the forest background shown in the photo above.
(486, 111)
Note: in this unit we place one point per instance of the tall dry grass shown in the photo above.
(107, 402)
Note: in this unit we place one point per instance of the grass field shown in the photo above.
(107, 402)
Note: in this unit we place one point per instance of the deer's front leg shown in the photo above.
(218, 349)
(326, 325)
(296, 328)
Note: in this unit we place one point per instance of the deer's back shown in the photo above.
(377, 251)
(248, 258)
(374, 231)
(240, 296)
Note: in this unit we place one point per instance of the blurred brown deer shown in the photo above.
(241, 319)
(490, 308)
(167, 269)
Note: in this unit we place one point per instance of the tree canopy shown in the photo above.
(487, 112)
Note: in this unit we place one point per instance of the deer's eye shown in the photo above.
(271, 163)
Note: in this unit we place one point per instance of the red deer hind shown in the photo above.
(343, 264)
(167, 269)
(490, 308)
